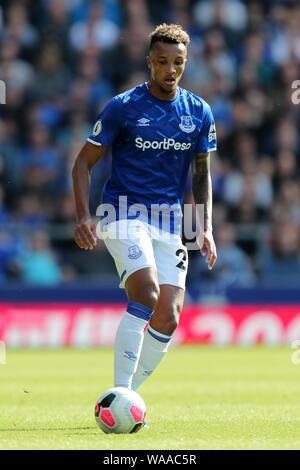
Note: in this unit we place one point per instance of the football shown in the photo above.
(120, 410)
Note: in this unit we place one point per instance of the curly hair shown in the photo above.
(170, 33)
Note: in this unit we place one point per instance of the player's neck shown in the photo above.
(159, 93)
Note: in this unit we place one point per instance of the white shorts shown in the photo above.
(135, 245)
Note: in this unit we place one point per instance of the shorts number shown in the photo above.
(181, 254)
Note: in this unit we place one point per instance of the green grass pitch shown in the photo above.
(199, 398)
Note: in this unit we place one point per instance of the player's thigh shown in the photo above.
(171, 258)
(131, 248)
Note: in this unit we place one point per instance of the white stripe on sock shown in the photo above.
(157, 333)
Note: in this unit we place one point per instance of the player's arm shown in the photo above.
(202, 191)
(85, 231)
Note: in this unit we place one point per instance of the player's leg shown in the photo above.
(159, 333)
(166, 314)
(143, 292)
(171, 263)
(135, 263)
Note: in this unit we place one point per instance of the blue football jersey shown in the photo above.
(153, 142)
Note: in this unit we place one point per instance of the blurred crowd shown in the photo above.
(62, 60)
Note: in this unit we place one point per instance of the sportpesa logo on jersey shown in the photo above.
(165, 144)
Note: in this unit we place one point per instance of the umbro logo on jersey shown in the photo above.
(143, 122)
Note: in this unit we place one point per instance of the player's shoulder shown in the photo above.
(116, 106)
(133, 94)
(198, 103)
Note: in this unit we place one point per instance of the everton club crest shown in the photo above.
(187, 124)
(134, 252)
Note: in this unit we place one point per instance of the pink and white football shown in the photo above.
(120, 410)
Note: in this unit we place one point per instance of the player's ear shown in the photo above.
(148, 61)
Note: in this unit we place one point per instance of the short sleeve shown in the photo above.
(108, 124)
(207, 139)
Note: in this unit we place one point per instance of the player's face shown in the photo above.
(167, 62)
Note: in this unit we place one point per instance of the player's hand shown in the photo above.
(85, 234)
(208, 248)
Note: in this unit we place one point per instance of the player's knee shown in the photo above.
(172, 318)
(173, 324)
(147, 294)
(150, 293)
